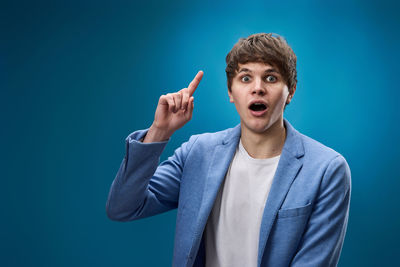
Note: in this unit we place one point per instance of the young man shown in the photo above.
(259, 194)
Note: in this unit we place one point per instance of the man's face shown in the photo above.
(260, 94)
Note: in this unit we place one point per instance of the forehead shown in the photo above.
(255, 67)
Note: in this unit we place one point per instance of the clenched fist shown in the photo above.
(173, 111)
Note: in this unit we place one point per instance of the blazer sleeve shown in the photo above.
(323, 238)
(141, 188)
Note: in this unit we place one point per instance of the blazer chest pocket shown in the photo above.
(295, 212)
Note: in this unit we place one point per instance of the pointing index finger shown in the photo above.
(193, 84)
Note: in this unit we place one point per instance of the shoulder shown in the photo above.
(315, 149)
(202, 144)
(216, 138)
(324, 165)
(330, 162)
(313, 153)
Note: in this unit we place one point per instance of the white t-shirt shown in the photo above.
(233, 228)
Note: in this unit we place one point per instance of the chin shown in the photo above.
(258, 127)
(260, 130)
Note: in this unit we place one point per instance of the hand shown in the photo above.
(173, 111)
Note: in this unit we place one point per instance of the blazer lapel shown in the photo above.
(288, 167)
(219, 164)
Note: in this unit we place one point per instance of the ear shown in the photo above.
(290, 96)
(230, 96)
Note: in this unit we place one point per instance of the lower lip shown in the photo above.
(258, 113)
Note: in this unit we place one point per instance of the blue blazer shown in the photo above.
(305, 216)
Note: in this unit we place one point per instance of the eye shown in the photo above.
(245, 78)
(270, 78)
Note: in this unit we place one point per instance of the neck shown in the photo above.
(267, 144)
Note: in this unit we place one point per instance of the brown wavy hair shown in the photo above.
(267, 48)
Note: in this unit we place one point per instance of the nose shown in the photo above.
(258, 87)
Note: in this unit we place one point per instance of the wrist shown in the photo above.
(155, 134)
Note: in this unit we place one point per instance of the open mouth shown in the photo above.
(258, 107)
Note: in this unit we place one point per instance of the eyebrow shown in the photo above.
(272, 70)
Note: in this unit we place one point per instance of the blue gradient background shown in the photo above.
(76, 78)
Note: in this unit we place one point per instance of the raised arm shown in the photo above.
(141, 188)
